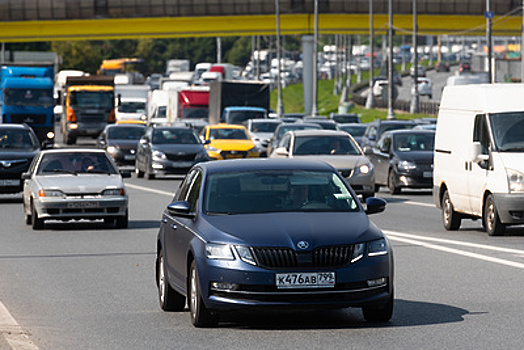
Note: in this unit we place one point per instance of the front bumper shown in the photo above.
(416, 179)
(68, 208)
(510, 208)
(167, 167)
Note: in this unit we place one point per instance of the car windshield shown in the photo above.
(414, 142)
(20, 139)
(228, 134)
(354, 130)
(268, 191)
(125, 133)
(175, 136)
(75, 163)
(268, 127)
(508, 131)
(315, 145)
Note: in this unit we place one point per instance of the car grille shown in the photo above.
(288, 258)
(29, 118)
(233, 154)
(181, 157)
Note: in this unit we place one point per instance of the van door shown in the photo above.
(479, 171)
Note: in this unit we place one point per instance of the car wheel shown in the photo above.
(200, 316)
(491, 218)
(392, 183)
(36, 222)
(430, 96)
(149, 175)
(381, 313)
(139, 174)
(170, 299)
(122, 221)
(450, 218)
(377, 188)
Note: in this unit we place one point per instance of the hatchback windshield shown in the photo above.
(314, 145)
(75, 163)
(17, 139)
(508, 131)
(175, 136)
(228, 134)
(125, 133)
(414, 142)
(277, 191)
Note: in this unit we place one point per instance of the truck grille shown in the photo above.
(288, 258)
(91, 117)
(28, 118)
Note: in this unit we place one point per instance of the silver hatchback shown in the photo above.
(74, 184)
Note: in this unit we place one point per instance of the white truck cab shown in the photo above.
(479, 156)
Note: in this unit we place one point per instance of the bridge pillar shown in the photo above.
(307, 71)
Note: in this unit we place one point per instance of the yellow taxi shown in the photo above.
(227, 141)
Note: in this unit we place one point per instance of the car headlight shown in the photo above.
(212, 149)
(358, 252)
(364, 169)
(253, 151)
(406, 165)
(158, 155)
(515, 180)
(50, 193)
(114, 192)
(112, 149)
(378, 247)
(219, 251)
(202, 156)
(245, 254)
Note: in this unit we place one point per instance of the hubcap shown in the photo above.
(490, 215)
(161, 279)
(193, 292)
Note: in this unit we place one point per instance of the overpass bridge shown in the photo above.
(59, 20)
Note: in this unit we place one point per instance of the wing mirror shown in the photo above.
(180, 208)
(281, 151)
(375, 205)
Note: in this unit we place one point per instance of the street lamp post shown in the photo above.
(489, 41)
(280, 105)
(370, 101)
(391, 113)
(314, 109)
(414, 108)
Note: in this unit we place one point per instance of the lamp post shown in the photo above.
(489, 41)
(391, 113)
(370, 101)
(280, 105)
(522, 49)
(414, 107)
(314, 109)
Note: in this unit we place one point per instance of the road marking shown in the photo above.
(420, 204)
(419, 240)
(13, 333)
(152, 190)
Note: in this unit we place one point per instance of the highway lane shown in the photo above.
(88, 286)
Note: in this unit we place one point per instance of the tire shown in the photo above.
(392, 183)
(149, 175)
(69, 140)
(381, 313)
(169, 299)
(27, 217)
(123, 221)
(200, 316)
(491, 218)
(139, 174)
(36, 222)
(377, 188)
(450, 218)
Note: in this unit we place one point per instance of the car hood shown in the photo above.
(17, 154)
(340, 161)
(123, 144)
(232, 145)
(287, 229)
(81, 183)
(179, 149)
(421, 157)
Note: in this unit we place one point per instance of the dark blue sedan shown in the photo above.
(271, 233)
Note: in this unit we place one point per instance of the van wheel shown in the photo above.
(450, 218)
(491, 218)
(392, 183)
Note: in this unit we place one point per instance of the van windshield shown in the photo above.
(508, 131)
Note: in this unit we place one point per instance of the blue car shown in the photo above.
(271, 233)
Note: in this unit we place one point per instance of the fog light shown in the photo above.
(403, 179)
(224, 286)
(73, 126)
(377, 282)
(157, 166)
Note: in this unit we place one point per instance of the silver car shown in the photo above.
(74, 184)
(336, 148)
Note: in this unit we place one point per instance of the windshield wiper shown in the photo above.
(59, 171)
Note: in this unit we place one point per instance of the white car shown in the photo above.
(73, 184)
(421, 71)
(425, 87)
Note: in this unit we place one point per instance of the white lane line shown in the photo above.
(152, 190)
(458, 252)
(13, 333)
(420, 204)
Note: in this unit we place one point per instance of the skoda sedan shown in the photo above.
(271, 233)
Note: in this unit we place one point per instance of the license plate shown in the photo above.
(305, 280)
(9, 182)
(234, 156)
(76, 205)
(128, 157)
(427, 174)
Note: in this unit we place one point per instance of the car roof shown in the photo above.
(257, 164)
(265, 120)
(225, 126)
(240, 108)
(299, 125)
(13, 126)
(392, 121)
(409, 131)
(73, 150)
(319, 133)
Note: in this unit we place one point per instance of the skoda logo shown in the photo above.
(302, 245)
(5, 163)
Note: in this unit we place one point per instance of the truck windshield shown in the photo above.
(29, 97)
(508, 131)
(132, 107)
(238, 117)
(92, 99)
(195, 113)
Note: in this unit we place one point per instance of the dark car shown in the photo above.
(403, 159)
(270, 233)
(376, 128)
(464, 67)
(165, 150)
(345, 118)
(354, 129)
(325, 123)
(18, 147)
(121, 142)
(442, 66)
(285, 127)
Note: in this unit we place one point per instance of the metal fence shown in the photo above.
(402, 105)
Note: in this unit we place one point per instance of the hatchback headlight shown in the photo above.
(406, 165)
(358, 252)
(158, 155)
(50, 193)
(245, 254)
(515, 180)
(378, 247)
(364, 169)
(219, 251)
(112, 149)
(114, 192)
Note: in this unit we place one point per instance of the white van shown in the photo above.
(479, 156)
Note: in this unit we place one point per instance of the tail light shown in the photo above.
(112, 116)
(71, 117)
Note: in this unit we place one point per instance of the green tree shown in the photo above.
(82, 55)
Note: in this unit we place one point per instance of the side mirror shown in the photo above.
(125, 174)
(476, 155)
(281, 151)
(143, 141)
(375, 205)
(47, 144)
(368, 150)
(25, 176)
(181, 208)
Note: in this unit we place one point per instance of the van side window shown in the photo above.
(481, 133)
